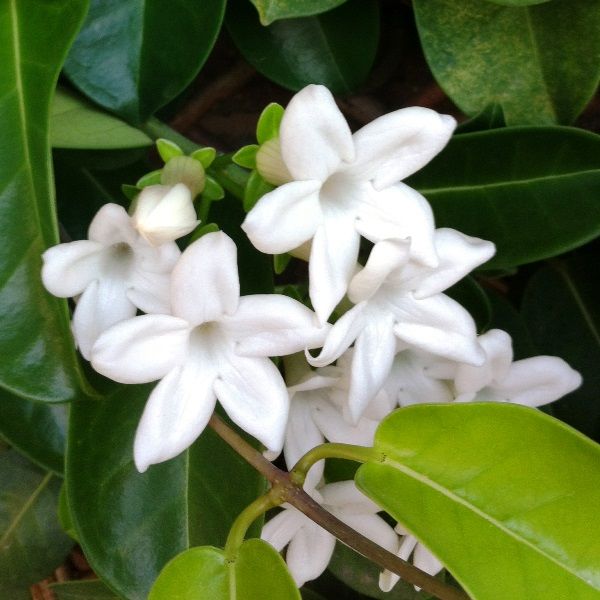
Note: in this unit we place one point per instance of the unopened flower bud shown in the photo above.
(269, 163)
(184, 169)
(164, 213)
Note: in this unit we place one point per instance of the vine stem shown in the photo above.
(289, 491)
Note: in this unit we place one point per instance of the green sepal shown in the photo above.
(130, 191)
(168, 149)
(280, 262)
(294, 291)
(152, 178)
(256, 188)
(246, 156)
(205, 156)
(269, 122)
(203, 230)
(212, 190)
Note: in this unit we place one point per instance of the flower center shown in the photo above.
(338, 194)
(119, 260)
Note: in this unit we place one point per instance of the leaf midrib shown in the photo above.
(426, 481)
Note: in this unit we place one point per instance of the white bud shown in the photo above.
(269, 163)
(164, 213)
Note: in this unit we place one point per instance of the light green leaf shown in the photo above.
(75, 123)
(32, 543)
(131, 524)
(527, 59)
(533, 191)
(273, 10)
(504, 495)
(257, 572)
(34, 326)
(82, 590)
(320, 49)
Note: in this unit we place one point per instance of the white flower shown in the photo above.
(309, 546)
(114, 273)
(399, 305)
(164, 213)
(214, 346)
(344, 185)
(532, 381)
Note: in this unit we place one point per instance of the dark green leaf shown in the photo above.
(470, 295)
(32, 543)
(134, 57)
(35, 429)
(562, 309)
(491, 117)
(34, 327)
(130, 524)
(257, 572)
(64, 514)
(273, 10)
(533, 191)
(82, 590)
(506, 496)
(321, 49)
(75, 123)
(524, 58)
(518, 2)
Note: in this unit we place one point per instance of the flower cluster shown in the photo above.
(398, 339)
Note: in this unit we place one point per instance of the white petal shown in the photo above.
(423, 559)
(315, 137)
(112, 225)
(459, 254)
(274, 325)
(205, 283)
(385, 257)
(340, 336)
(279, 530)
(69, 268)
(335, 428)
(309, 552)
(176, 413)
(103, 304)
(254, 395)
(142, 349)
(537, 381)
(401, 213)
(345, 496)
(284, 218)
(332, 263)
(387, 579)
(438, 325)
(374, 528)
(400, 143)
(151, 292)
(374, 353)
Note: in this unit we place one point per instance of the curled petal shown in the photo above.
(315, 137)
(279, 530)
(142, 349)
(400, 143)
(176, 413)
(112, 225)
(205, 285)
(284, 218)
(254, 395)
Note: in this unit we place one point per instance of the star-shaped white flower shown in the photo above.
(344, 185)
(213, 345)
(400, 305)
(310, 547)
(112, 274)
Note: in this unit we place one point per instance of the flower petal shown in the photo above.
(176, 413)
(400, 143)
(284, 218)
(332, 262)
(274, 325)
(344, 496)
(102, 304)
(141, 349)
(112, 225)
(315, 137)
(279, 530)
(254, 395)
(423, 559)
(205, 283)
(69, 268)
(374, 528)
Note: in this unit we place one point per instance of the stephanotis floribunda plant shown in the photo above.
(395, 337)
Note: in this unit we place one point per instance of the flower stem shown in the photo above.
(284, 489)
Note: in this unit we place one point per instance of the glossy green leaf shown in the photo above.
(82, 590)
(34, 327)
(64, 514)
(130, 524)
(526, 58)
(533, 191)
(35, 429)
(562, 309)
(321, 49)
(258, 571)
(518, 2)
(506, 496)
(134, 57)
(75, 123)
(491, 117)
(32, 543)
(273, 10)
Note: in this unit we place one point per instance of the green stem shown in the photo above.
(345, 451)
